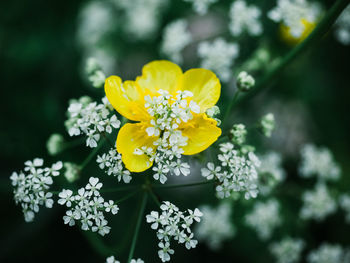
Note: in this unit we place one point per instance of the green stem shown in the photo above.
(92, 154)
(154, 197)
(118, 189)
(232, 103)
(72, 144)
(321, 29)
(138, 224)
(97, 244)
(127, 196)
(182, 185)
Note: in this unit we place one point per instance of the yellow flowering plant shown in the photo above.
(157, 126)
(182, 113)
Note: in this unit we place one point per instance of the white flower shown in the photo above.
(287, 250)
(244, 18)
(326, 253)
(181, 168)
(270, 171)
(216, 225)
(211, 171)
(154, 218)
(344, 202)
(318, 162)
(201, 6)
(175, 38)
(141, 17)
(173, 224)
(112, 259)
(165, 252)
(65, 197)
(267, 124)
(91, 119)
(87, 206)
(264, 218)
(169, 111)
(94, 186)
(318, 203)
(218, 56)
(37, 162)
(55, 144)
(292, 12)
(237, 173)
(111, 207)
(112, 163)
(342, 32)
(72, 171)
(69, 218)
(31, 188)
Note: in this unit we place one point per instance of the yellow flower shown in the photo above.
(133, 100)
(292, 40)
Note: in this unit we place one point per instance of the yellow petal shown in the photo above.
(201, 132)
(130, 137)
(127, 98)
(160, 74)
(204, 85)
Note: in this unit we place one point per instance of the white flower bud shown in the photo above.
(245, 81)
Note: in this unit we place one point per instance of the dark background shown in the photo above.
(40, 71)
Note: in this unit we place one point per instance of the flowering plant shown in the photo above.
(175, 160)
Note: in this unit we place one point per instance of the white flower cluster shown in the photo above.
(31, 187)
(218, 56)
(72, 171)
(239, 134)
(141, 17)
(113, 165)
(270, 171)
(91, 119)
(175, 38)
(317, 203)
(168, 113)
(87, 206)
(96, 20)
(288, 250)
(215, 226)
(237, 173)
(95, 73)
(245, 81)
(201, 6)
(342, 31)
(344, 202)
(264, 218)
(55, 144)
(173, 224)
(327, 253)
(292, 14)
(112, 259)
(319, 162)
(244, 18)
(267, 124)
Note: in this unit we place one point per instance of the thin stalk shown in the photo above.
(127, 196)
(92, 154)
(119, 189)
(137, 228)
(108, 140)
(72, 144)
(97, 244)
(182, 185)
(320, 30)
(154, 197)
(232, 103)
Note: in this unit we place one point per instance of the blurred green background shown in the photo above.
(41, 69)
